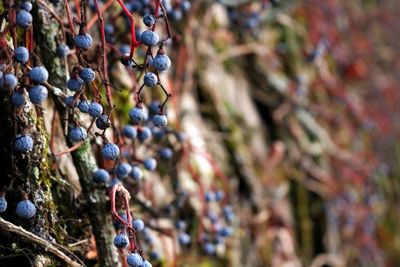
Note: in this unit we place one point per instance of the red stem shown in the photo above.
(128, 222)
(134, 42)
(104, 48)
(104, 8)
(78, 8)
(70, 21)
(157, 7)
(72, 148)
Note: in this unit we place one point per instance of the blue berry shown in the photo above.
(225, 231)
(117, 223)
(17, 99)
(75, 84)
(150, 164)
(209, 248)
(109, 31)
(134, 260)
(24, 18)
(23, 143)
(138, 34)
(180, 225)
(210, 196)
(27, 6)
(121, 241)
(150, 79)
(25, 209)
(212, 216)
(103, 122)
(219, 195)
(136, 173)
(110, 151)
(84, 106)
(154, 255)
(9, 82)
(21, 54)
(180, 136)
(95, 109)
(3, 204)
(123, 169)
(87, 74)
(135, 6)
(146, 264)
(129, 131)
(154, 107)
(160, 120)
(127, 60)
(137, 114)
(148, 237)
(115, 181)
(70, 102)
(149, 38)
(185, 6)
(175, 14)
(138, 225)
(229, 215)
(161, 62)
(62, 50)
(38, 94)
(38, 74)
(125, 49)
(184, 239)
(149, 20)
(83, 41)
(143, 134)
(166, 153)
(77, 134)
(158, 133)
(149, 60)
(167, 5)
(109, 28)
(101, 176)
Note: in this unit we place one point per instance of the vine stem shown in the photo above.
(217, 170)
(134, 42)
(51, 12)
(69, 150)
(94, 19)
(104, 48)
(24, 234)
(156, 12)
(70, 21)
(78, 8)
(128, 223)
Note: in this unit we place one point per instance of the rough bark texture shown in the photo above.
(95, 200)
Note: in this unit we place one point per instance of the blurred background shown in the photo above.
(299, 101)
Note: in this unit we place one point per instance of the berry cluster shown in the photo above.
(130, 151)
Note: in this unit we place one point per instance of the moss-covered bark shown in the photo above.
(96, 201)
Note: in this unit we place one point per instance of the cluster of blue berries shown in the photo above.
(146, 122)
(177, 10)
(24, 17)
(249, 18)
(25, 208)
(219, 220)
(37, 93)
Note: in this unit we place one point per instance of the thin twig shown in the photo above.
(51, 12)
(12, 228)
(104, 48)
